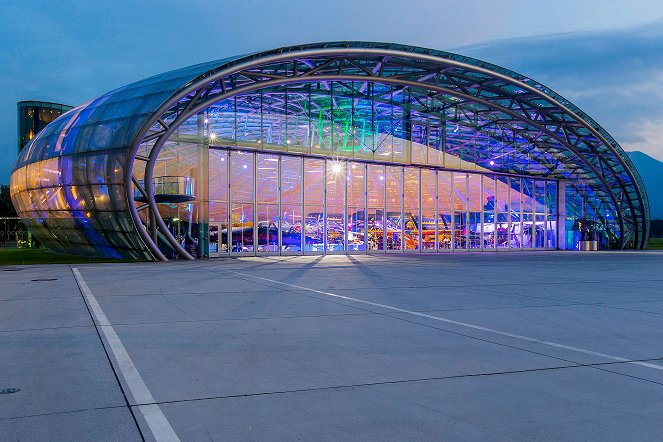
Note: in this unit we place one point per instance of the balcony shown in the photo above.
(170, 189)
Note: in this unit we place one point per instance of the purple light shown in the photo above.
(492, 163)
(245, 166)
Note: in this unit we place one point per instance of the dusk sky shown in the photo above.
(605, 56)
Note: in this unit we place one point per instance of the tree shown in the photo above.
(6, 206)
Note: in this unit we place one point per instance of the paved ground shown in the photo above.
(476, 346)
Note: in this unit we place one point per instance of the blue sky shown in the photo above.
(605, 56)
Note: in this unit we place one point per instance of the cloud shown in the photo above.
(614, 76)
(76, 50)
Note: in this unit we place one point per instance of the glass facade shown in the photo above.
(68, 183)
(33, 116)
(294, 204)
(334, 150)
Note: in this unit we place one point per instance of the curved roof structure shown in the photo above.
(74, 184)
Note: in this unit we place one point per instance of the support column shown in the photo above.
(561, 215)
(202, 188)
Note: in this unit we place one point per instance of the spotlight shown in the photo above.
(492, 163)
(336, 168)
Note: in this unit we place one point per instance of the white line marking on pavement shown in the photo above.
(462, 324)
(156, 421)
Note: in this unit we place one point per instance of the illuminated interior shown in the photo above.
(333, 148)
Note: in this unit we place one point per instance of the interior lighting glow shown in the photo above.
(336, 167)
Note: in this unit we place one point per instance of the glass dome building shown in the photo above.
(342, 147)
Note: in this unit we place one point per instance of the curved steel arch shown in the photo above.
(193, 110)
(315, 64)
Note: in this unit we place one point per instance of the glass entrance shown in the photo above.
(218, 239)
(281, 204)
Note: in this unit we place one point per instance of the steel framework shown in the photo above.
(75, 183)
(493, 102)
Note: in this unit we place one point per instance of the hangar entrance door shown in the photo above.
(218, 239)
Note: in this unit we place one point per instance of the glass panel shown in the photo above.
(291, 230)
(313, 205)
(474, 205)
(540, 196)
(394, 215)
(267, 216)
(267, 228)
(489, 235)
(241, 180)
(540, 231)
(356, 226)
(502, 216)
(242, 227)
(356, 184)
(267, 178)
(242, 194)
(444, 210)
(551, 224)
(356, 204)
(375, 216)
(527, 195)
(218, 175)
(427, 209)
(460, 210)
(291, 203)
(214, 236)
(515, 229)
(218, 214)
(335, 208)
(411, 204)
(528, 231)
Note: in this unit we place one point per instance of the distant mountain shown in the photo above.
(651, 171)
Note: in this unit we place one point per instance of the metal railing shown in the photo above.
(171, 185)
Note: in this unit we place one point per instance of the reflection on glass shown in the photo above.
(427, 226)
(242, 227)
(460, 196)
(375, 216)
(394, 214)
(314, 226)
(489, 219)
(515, 229)
(411, 205)
(242, 193)
(267, 213)
(551, 209)
(291, 204)
(356, 207)
(474, 199)
(444, 209)
(335, 205)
